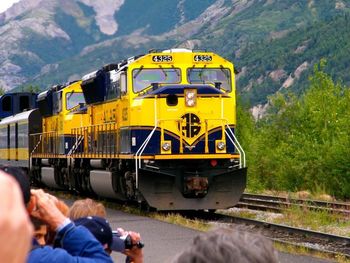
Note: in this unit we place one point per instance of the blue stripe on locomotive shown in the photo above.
(153, 146)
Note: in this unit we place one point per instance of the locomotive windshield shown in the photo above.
(210, 76)
(143, 78)
(73, 99)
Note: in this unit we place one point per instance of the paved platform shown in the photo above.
(163, 240)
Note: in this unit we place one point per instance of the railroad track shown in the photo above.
(313, 240)
(278, 204)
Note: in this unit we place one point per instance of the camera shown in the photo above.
(120, 243)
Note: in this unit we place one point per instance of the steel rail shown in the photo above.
(277, 204)
(327, 243)
(289, 229)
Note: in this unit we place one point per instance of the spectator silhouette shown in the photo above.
(16, 230)
(89, 208)
(78, 244)
(228, 245)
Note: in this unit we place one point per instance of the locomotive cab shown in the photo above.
(62, 108)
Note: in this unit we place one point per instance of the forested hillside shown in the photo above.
(287, 62)
(303, 143)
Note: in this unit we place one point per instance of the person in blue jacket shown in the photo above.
(77, 244)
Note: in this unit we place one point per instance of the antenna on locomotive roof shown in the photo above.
(152, 50)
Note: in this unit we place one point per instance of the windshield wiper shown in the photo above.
(70, 94)
(189, 73)
(224, 71)
(201, 73)
(177, 73)
(165, 74)
(138, 72)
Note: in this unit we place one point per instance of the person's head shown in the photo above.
(228, 245)
(22, 179)
(100, 228)
(40, 230)
(86, 207)
(90, 208)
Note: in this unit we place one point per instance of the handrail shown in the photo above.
(36, 146)
(144, 145)
(233, 140)
(44, 136)
(76, 145)
(42, 133)
(108, 127)
(239, 148)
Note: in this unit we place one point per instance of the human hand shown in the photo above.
(16, 230)
(121, 231)
(135, 253)
(46, 209)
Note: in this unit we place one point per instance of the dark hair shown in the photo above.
(228, 245)
(37, 223)
(22, 179)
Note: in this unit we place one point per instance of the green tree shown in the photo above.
(31, 88)
(304, 143)
(2, 91)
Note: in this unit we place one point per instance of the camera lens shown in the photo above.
(128, 242)
(140, 244)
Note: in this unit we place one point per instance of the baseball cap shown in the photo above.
(98, 226)
(22, 179)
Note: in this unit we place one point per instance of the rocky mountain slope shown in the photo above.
(36, 34)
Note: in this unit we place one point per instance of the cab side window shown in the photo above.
(114, 87)
(23, 103)
(57, 102)
(123, 85)
(6, 103)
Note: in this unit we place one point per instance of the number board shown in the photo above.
(162, 58)
(202, 58)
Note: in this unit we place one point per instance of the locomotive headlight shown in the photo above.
(166, 146)
(220, 145)
(190, 97)
(190, 103)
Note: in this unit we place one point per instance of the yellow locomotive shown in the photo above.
(62, 109)
(156, 128)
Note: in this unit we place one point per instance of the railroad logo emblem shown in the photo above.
(190, 125)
